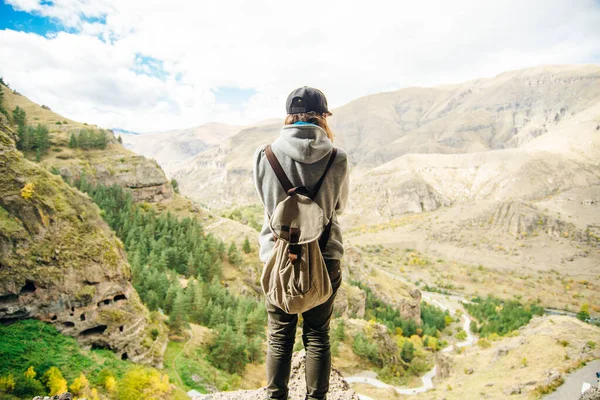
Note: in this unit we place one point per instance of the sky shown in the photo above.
(155, 65)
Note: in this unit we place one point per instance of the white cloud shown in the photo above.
(346, 48)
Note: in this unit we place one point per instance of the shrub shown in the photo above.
(7, 383)
(362, 347)
(140, 383)
(340, 330)
(418, 366)
(55, 382)
(79, 385)
(28, 388)
(27, 191)
(174, 182)
(246, 248)
(408, 351)
(499, 316)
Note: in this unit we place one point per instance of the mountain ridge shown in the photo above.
(551, 109)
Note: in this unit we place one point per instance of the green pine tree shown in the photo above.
(42, 139)
(340, 330)
(246, 246)
(178, 318)
(19, 116)
(72, 141)
(233, 255)
(408, 351)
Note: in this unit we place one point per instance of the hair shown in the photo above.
(310, 117)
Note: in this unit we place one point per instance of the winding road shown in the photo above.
(452, 303)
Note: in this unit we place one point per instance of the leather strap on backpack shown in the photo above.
(278, 169)
(320, 182)
(325, 235)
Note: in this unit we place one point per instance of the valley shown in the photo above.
(491, 187)
(474, 215)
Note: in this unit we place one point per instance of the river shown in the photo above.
(451, 303)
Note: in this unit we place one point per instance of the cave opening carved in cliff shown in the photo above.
(97, 330)
(29, 287)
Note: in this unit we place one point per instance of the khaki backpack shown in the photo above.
(295, 276)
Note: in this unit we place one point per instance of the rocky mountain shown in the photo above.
(60, 263)
(433, 147)
(177, 147)
(111, 165)
(484, 163)
(503, 112)
(500, 172)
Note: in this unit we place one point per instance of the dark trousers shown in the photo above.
(315, 335)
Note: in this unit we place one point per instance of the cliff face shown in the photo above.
(141, 176)
(60, 263)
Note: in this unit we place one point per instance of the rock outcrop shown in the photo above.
(378, 334)
(339, 389)
(592, 393)
(60, 263)
(443, 364)
(350, 301)
(521, 219)
(143, 177)
(406, 297)
(64, 396)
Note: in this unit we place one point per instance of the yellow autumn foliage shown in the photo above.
(143, 384)
(27, 191)
(56, 383)
(30, 373)
(7, 383)
(110, 384)
(79, 385)
(417, 341)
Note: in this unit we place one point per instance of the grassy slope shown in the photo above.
(34, 343)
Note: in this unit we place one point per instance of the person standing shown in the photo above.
(303, 149)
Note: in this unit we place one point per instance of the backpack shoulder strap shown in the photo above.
(320, 182)
(278, 169)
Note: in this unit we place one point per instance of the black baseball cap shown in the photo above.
(307, 99)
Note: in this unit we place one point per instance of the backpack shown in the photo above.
(295, 276)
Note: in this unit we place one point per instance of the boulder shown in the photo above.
(339, 389)
(592, 393)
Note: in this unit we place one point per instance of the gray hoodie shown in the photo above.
(303, 151)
